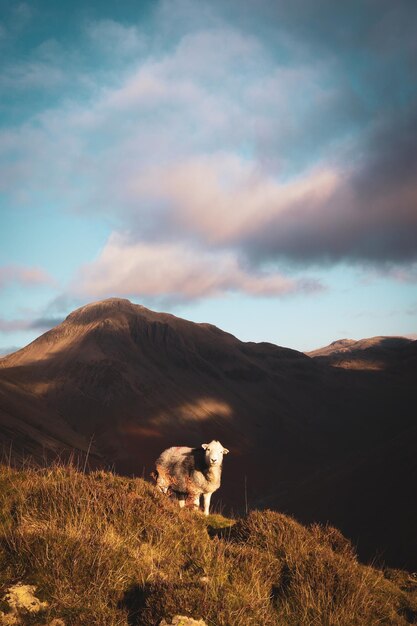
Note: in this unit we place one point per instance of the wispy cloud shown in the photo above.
(42, 324)
(8, 350)
(223, 199)
(28, 276)
(172, 272)
(398, 273)
(112, 38)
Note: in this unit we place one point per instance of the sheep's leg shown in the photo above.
(206, 498)
(193, 501)
(181, 500)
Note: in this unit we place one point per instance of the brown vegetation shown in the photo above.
(102, 549)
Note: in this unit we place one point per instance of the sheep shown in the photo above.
(188, 473)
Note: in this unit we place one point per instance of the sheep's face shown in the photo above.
(214, 452)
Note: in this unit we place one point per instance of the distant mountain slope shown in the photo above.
(126, 382)
(375, 353)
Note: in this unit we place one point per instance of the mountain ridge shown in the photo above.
(377, 352)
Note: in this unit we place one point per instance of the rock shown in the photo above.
(21, 599)
(181, 620)
(8, 619)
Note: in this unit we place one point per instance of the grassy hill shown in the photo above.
(104, 550)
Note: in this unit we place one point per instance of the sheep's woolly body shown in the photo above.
(189, 473)
(187, 469)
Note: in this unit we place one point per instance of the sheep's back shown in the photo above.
(173, 456)
(178, 461)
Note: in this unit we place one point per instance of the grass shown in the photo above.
(104, 550)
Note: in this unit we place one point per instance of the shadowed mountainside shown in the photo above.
(318, 441)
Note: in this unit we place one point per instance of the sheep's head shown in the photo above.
(214, 452)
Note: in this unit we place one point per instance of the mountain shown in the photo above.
(120, 382)
(375, 353)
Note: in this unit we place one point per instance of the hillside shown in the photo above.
(120, 382)
(375, 353)
(100, 549)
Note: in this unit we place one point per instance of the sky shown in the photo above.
(251, 164)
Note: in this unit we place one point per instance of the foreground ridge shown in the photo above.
(102, 549)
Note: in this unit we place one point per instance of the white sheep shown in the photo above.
(188, 473)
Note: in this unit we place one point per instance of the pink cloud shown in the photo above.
(167, 270)
(398, 273)
(224, 199)
(41, 323)
(28, 276)
(10, 326)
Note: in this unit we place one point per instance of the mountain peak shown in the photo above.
(95, 310)
(370, 353)
(117, 328)
(343, 343)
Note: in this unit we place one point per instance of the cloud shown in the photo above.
(370, 215)
(406, 274)
(223, 199)
(172, 272)
(174, 104)
(32, 75)
(111, 37)
(8, 350)
(28, 276)
(232, 141)
(42, 323)
(361, 212)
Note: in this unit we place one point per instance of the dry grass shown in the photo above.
(105, 550)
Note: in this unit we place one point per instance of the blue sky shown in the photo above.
(249, 164)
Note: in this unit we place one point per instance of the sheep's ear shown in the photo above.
(204, 446)
(225, 451)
